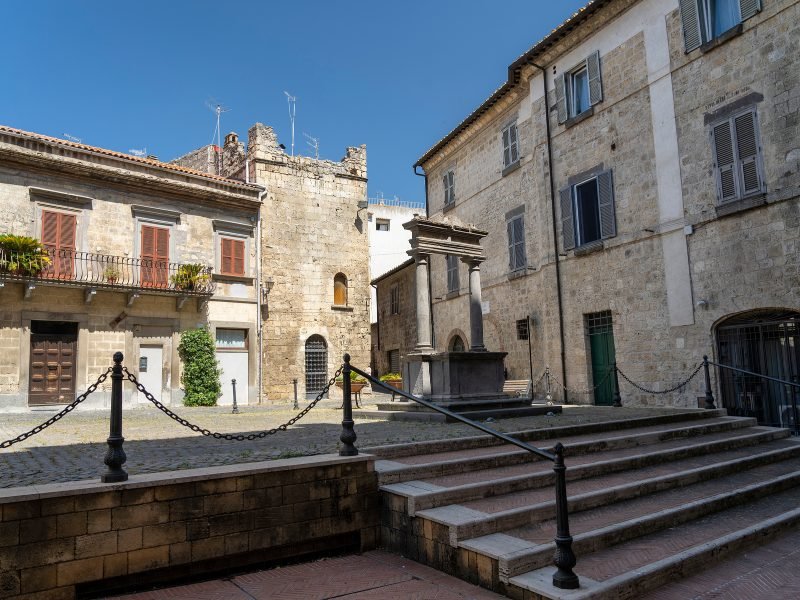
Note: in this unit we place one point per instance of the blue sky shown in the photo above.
(395, 76)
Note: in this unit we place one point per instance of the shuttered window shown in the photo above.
(737, 157)
(449, 185)
(588, 213)
(705, 20)
(579, 88)
(510, 145)
(394, 300)
(452, 273)
(58, 236)
(232, 257)
(154, 256)
(516, 243)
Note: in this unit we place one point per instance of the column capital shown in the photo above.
(473, 262)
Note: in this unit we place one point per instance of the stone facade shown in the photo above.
(103, 297)
(396, 329)
(680, 261)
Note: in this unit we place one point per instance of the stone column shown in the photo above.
(424, 335)
(475, 309)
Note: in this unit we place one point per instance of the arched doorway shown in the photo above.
(766, 342)
(457, 344)
(316, 365)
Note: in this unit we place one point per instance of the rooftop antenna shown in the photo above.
(314, 143)
(292, 100)
(140, 153)
(218, 109)
(72, 138)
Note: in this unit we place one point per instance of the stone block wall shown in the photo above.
(398, 331)
(61, 540)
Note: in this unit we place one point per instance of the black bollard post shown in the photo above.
(296, 405)
(564, 578)
(548, 392)
(617, 397)
(235, 410)
(115, 455)
(709, 394)
(348, 436)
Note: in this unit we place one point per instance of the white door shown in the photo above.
(234, 366)
(150, 370)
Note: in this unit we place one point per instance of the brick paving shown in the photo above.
(370, 576)
(73, 448)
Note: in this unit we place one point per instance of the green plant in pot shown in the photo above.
(22, 255)
(393, 379)
(190, 277)
(111, 274)
(357, 382)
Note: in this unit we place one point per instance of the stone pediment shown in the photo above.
(440, 237)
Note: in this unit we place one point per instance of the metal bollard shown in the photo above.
(296, 405)
(709, 394)
(235, 410)
(617, 398)
(348, 436)
(548, 391)
(564, 578)
(115, 455)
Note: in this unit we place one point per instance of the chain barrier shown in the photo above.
(229, 436)
(58, 416)
(588, 391)
(668, 390)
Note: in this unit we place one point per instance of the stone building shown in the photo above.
(395, 331)
(638, 175)
(314, 257)
(140, 251)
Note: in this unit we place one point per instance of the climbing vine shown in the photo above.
(201, 374)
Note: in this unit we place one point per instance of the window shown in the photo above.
(231, 339)
(381, 224)
(449, 183)
(58, 236)
(522, 329)
(452, 273)
(510, 145)
(737, 157)
(340, 290)
(706, 20)
(587, 211)
(154, 254)
(394, 361)
(394, 300)
(316, 365)
(516, 243)
(579, 89)
(232, 256)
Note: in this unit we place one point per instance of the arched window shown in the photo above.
(340, 289)
(457, 344)
(316, 365)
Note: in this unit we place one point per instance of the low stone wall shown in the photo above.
(60, 541)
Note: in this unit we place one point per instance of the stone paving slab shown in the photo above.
(73, 449)
(371, 576)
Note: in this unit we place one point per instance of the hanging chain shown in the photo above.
(230, 436)
(57, 417)
(588, 391)
(668, 390)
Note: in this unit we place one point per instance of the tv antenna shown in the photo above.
(140, 153)
(218, 109)
(292, 100)
(314, 143)
(72, 138)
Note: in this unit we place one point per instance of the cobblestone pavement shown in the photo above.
(73, 448)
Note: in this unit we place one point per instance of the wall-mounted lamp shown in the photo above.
(362, 204)
(266, 288)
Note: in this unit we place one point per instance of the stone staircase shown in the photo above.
(651, 500)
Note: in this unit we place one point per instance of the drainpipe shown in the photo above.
(555, 230)
(259, 335)
(430, 286)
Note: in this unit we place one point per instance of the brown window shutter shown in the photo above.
(50, 229)
(148, 242)
(66, 234)
(238, 257)
(226, 264)
(162, 243)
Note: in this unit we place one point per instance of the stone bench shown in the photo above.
(517, 387)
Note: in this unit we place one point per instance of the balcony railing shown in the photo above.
(69, 267)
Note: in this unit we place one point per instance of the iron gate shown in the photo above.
(316, 365)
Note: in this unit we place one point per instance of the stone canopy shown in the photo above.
(436, 237)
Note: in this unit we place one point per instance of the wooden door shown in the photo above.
(52, 368)
(58, 236)
(603, 356)
(155, 256)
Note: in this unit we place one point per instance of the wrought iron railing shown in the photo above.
(104, 270)
(564, 559)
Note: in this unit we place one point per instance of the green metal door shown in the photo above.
(603, 357)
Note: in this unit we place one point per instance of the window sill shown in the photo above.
(722, 38)
(518, 273)
(512, 167)
(449, 207)
(232, 278)
(589, 248)
(737, 206)
(341, 307)
(451, 295)
(578, 118)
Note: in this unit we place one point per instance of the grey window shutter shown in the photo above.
(510, 229)
(724, 161)
(595, 81)
(567, 225)
(519, 243)
(749, 8)
(446, 191)
(605, 195)
(513, 146)
(561, 97)
(691, 25)
(747, 152)
(506, 148)
(452, 179)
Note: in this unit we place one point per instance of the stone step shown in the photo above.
(477, 459)
(458, 522)
(404, 413)
(633, 567)
(503, 481)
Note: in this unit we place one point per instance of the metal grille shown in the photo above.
(316, 365)
(767, 344)
(599, 322)
(394, 361)
(522, 329)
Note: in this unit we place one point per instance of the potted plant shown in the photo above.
(190, 277)
(22, 255)
(393, 379)
(111, 274)
(357, 383)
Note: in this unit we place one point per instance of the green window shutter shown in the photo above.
(749, 8)
(567, 225)
(595, 82)
(605, 195)
(561, 97)
(690, 16)
(724, 161)
(747, 152)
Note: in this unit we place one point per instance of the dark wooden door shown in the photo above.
(603, 356)
(52, 368)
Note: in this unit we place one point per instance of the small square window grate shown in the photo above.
(522, 329)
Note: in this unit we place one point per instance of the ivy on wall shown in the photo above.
(201, 374)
